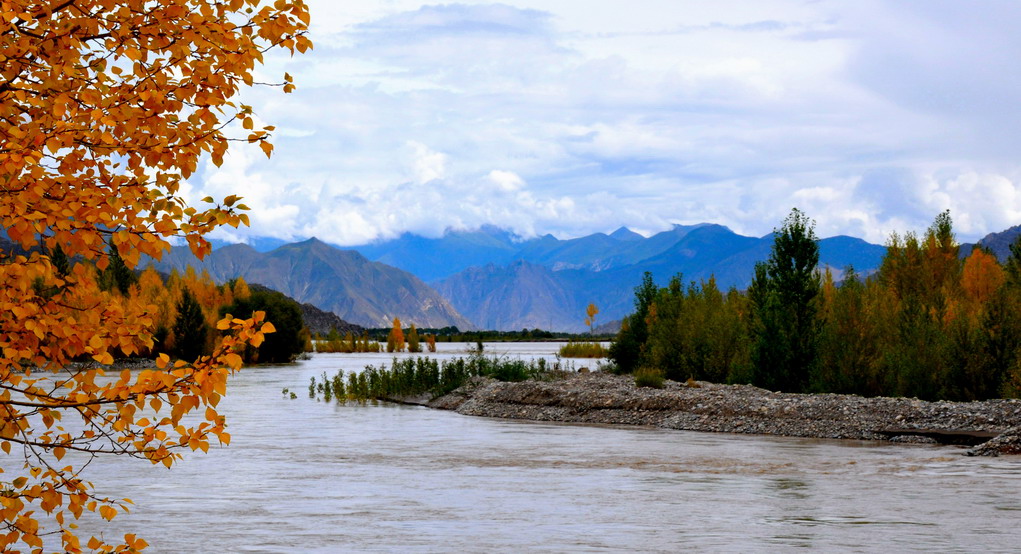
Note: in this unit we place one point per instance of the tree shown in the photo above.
(1013, 264)
(395, 339)
(105, 108)
(783, 295)
(628, 347)
(414, 345)
(117, 275)
(290, 337)
(590, 317)
(190, 329)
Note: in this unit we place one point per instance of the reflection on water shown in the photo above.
(302, 475)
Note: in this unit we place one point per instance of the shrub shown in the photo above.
(649, 377)
(583, 350)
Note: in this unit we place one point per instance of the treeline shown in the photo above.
(347, 344)
(453, 334)
(186, 307)
(929, 323)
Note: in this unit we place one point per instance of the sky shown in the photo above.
(573, 117)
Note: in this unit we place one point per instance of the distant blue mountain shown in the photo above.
(498, 280)
(604, 270)
(431, 259)
(259, 244)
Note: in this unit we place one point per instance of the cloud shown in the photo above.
(570, 118)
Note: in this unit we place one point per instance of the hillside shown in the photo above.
(516, 296)
(362, 292)
(1000, 242)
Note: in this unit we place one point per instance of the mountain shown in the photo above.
(1000, 242)
(321, 322)
(344, 282)
(625, 234)
(573, 253)
(520, 295)
(555, 292)
(433, 259)
(430, 258)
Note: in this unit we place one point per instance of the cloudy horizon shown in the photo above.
(573, 118)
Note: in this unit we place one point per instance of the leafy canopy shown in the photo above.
(106, 106)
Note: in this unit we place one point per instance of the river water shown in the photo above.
(307, 476)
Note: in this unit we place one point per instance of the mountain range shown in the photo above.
(492, 279)
(344, 282)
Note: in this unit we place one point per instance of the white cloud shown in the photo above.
(506, 181)
(571, 118)
(426, 164)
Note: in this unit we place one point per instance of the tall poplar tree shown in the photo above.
(783, 296)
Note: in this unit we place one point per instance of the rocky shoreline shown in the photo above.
(611, 399)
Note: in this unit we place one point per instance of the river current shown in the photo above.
(303, 475)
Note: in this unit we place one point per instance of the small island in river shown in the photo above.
(604, 398)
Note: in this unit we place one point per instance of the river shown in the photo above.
(308, 476)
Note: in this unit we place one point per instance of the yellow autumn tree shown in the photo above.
(982, 276)
(590, 317)
(106, 106)
(395, 339)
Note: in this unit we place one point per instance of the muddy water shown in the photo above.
(305, 476)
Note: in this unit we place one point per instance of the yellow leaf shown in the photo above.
(104, 358)
(107, 512)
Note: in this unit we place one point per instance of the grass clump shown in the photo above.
(649, 377)
(583, 349)
(423, 375)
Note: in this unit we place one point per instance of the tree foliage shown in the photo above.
(628, 348)
(414, 343)
(395, 340)
(191, 333)
(590, 317)
(105, 107)
(927, 324)
(290, 336)
(782, 297)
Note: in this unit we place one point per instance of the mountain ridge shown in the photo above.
(360, 291)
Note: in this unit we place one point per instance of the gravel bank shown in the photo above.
(605, 398)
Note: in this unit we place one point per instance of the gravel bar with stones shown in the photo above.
(612, 399)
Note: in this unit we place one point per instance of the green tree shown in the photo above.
(191, 331)
(117, 274)
(783, 294)
(1013, 265)
(627, 349)
(414, 345)
(290, 337)
(61, 263)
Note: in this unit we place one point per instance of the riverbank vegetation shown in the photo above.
(422, 375)
(453, 334)
(583, 349)
(347, 344)
(929, 323)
